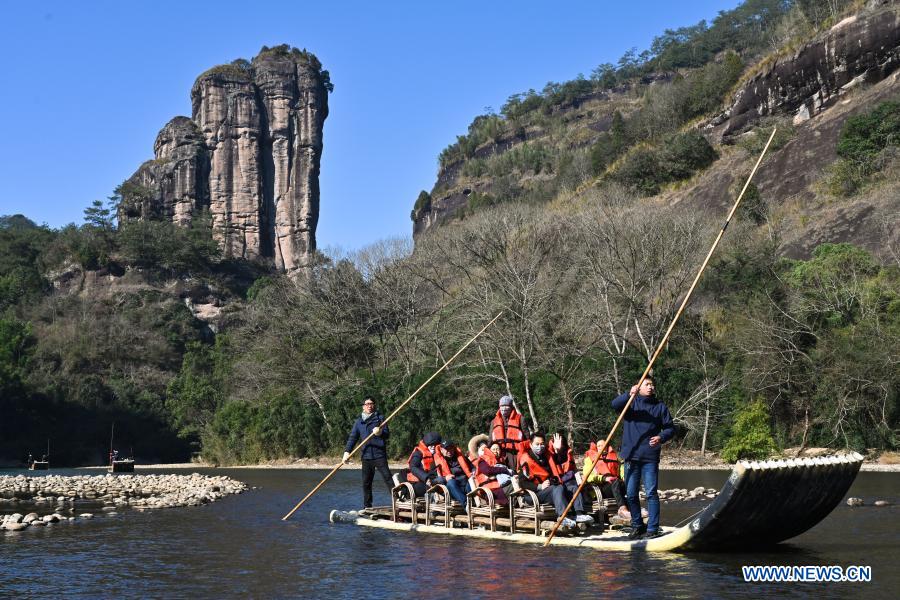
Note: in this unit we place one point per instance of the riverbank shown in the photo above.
(60, 497)
(673, 460)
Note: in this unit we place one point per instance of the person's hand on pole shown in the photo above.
(655, 440)
(377, 430)
(346, 457)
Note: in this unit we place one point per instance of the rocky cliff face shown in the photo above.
(249, 154)
(861, 49)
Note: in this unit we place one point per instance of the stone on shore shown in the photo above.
(855, 502)
(882, 503)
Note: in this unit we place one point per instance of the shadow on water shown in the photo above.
(240, 547)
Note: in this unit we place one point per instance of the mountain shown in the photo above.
(723, 81)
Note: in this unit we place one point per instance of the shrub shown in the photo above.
(679, 157)
(864, 146)
(609, 146)
(864, 136)
(684, 154)
(751, 435)
(641, 170)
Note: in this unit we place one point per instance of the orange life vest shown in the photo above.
(444, 467)
(490, 460)
(535, 470)
(428, 461)
(608, 465)
(509, 433)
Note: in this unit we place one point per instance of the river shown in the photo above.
(239, 547)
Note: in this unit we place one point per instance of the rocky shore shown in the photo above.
(55, 498)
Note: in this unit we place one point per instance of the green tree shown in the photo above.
(751, 435)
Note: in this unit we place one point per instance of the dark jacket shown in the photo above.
(376, 448)
(415, 467)
(645, 418)
(456, 469)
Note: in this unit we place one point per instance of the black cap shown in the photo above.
(447, 444)
(432, 438)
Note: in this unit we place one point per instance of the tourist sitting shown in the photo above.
(540, 474)
(566, 471)
(508, 430)
(490, 472)
(455, 468)
(603, 471)
(422, 466)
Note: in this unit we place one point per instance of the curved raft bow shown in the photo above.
(762, 503)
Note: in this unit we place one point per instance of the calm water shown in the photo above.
(239, 547)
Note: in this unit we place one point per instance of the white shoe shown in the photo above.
(568, 523)
(584, 519)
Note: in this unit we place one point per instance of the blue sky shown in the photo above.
(88, 85)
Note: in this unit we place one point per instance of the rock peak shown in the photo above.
(249, 154)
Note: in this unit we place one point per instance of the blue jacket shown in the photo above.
(645, 418)
(376, 448)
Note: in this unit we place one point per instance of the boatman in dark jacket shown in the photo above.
(647, 426)
(374, 453)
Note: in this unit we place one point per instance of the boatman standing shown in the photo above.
(374, 453)
(508, 430)
(647, 426)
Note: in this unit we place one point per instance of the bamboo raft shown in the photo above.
(761, 504)
(121, 465)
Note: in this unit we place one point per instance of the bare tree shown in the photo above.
(639, 263)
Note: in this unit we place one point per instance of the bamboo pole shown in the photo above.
(665, 338)
(391, 416)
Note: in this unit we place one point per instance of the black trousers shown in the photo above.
(615, 487)
(368, 474)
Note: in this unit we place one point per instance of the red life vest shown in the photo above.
(535, 470)
(567, 466)
(608, 466)
(508, 434)
(444, 467)
(428, 461)
(486, 480)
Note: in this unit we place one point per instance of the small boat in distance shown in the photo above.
(40, 465)
(116, 464)
(121, 465)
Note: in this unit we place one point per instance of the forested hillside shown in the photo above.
(581, 212)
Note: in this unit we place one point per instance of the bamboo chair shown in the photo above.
(480, 502)
(408, 503)
(445, 509)
(600, 505)
(535, 511)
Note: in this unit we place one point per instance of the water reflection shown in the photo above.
(239, 547)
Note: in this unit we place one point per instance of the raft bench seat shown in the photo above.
(601, 505)
(534, 511)
(480, 502)
(403, 498)
(441, 510)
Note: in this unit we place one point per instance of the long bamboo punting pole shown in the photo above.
(665, 338)
(391, 416)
